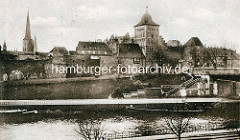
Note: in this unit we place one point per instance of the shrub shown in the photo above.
(118, 94)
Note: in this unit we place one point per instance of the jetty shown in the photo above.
(110, 101)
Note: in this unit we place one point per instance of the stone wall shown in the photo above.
(238, 88)
(109, 61)
(125, 62)
(51, 72)
(32, 68)
(87, 89)
(226, 88)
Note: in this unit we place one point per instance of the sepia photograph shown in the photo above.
(119, 70)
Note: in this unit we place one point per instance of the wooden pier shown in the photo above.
(107, 101)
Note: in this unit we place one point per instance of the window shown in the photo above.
(105, 52)
(136, 61)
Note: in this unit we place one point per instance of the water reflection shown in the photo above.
(62, 124)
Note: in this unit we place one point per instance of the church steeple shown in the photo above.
(28, 43)
(35, 44)
(4, 46)
(28, 31)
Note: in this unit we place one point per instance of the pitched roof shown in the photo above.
(28, 31)
(146, 20)
(130, 50)
(60, 50)
(98, 45)
(173, 43)
(194, 41)
(72, 52)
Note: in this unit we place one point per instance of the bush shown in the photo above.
(118, 94)
(144, 77)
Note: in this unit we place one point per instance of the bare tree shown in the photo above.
(233, 124)
(177, 124)
(211, 54)
(90, 130)
(196, 55)
(161, 57)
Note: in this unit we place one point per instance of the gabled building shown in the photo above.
(174, 43)
(130, 55)
(93, 48)
(132, 52)
(58, 51)
(175, 46)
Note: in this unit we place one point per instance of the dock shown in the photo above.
(79, 102)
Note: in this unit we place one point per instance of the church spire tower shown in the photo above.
(35, 44)
(4, 46)
(28, 43)
(28, 31)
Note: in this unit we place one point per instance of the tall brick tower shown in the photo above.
(146, 33)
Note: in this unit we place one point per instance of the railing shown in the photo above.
(219, 70)
(187, 83)
(162, 131)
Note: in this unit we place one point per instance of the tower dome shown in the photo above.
(146, 20)
(146, 17)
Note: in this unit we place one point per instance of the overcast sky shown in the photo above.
(215, 22)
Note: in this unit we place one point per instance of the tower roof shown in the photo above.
(194, 41)
(28, 31)
(146, 20)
